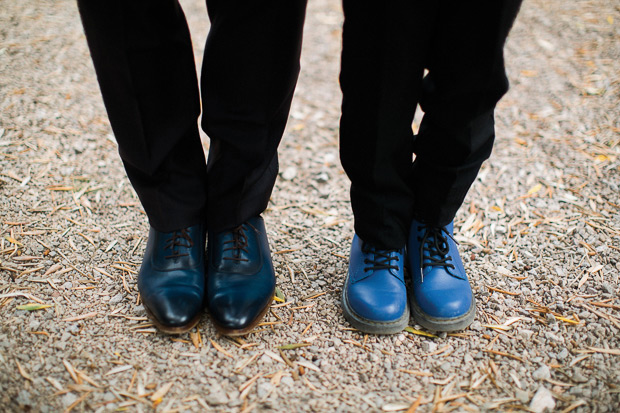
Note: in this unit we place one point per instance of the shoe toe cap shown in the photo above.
(238, 309)
(174, 308)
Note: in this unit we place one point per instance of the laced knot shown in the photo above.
(382, 259)
(238, 244)
(435, 243)
(178, 239)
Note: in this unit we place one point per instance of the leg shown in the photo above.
(249, 74)
(384, 44)
(382, 65)
(145, 66)
(466, 79)
(250, 69)
(144, 62)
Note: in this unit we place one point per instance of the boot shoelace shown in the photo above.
(382, 259)
(435, 242)
(177, 240)
(239, 243)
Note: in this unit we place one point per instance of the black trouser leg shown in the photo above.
(381, 71)
(249, 73)
(143, 57)
(466, 79)
(385, 49)
(144, 62)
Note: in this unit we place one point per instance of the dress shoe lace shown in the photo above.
(434, 241)
(239, 243)
(178, 239)
(382, 259)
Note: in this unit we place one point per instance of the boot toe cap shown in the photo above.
(380, 305)
(444, 301)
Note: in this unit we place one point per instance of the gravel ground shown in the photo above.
(540, 237)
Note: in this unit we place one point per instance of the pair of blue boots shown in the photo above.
(374, 297)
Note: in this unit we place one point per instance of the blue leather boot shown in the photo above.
(441, 299)
(241, 281)
(171, 280)
(374, 297)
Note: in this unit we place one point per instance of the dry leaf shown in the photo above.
(81, 317)
(119, 369)
(161, 392)
(395, 407)
(13, 241)
(220, 349)
(22, 371)
(33, 306)
(279, 295)
(419, 332)
(534, 189)
(293, 346)
(595, 268)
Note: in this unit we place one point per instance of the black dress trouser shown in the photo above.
(144, 62)
(143, 57)
(387, 45)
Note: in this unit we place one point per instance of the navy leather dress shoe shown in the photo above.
(374, 296)
(441, 299)
(241, 281)
(171, 280)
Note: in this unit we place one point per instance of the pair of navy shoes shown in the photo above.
(374, 297)
(235, 280)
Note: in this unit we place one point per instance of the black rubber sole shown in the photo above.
(443, 324)
(370, 326)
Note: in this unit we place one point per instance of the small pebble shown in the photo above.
(542, 400)
(542, 373)
(321, 177)
(289, 173)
